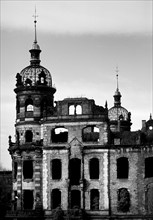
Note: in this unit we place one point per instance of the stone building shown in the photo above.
(76, 155)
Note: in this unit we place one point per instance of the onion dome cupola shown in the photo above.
(34, 89)
(119, 117)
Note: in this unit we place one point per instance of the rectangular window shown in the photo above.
(28, 169)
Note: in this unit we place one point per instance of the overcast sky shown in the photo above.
(82, 42)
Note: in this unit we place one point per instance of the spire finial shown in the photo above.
(117, 71)
(35, 22)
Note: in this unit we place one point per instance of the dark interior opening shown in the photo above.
(94, 199)
(149, 167)
(75, 199)
(28, 199)
(90, 133)
(56, 169)
(122, 168)
(28, 136)
(28, 169)
(59, 135)
(56, 198)
(94, 168)
(15, 169)
(75, 171)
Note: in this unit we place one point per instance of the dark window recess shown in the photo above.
(90, 133)
(75, 171)
(28, 136)
(56, 168)
(75, 199)
(28, 199)
(15, 169)
(56, 198)
(94, 168)
(17, 137)
(28, 169)
(122, 168)
(94, 199)
(59, 135)
(18, 106)
(123, 200)
(149, 167)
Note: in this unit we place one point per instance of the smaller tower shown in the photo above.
(119, 117)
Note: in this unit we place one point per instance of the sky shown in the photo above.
(82, 43)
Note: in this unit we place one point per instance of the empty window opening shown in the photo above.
(42, 80)
(55, 198)
(56, 169)
(75, 171)
(90, 133)
(28, 199)
(75, 199)
(59, 135)
(28, 136)
(123, 200)
(29, 105)
(122, 168)
(94, 199)
(149, 167)
(94, 168)
(28, 169)
(15, 169)
(78, 110)
(71, 110)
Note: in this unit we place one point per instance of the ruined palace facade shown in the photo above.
(76, 155)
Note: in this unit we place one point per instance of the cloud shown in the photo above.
(76, 17)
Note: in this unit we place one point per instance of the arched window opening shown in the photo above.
(29, 105)
(123, 200)
(15, 169)
(94, 199)
(122, 168)
(78, 110)
(28, 169)
(94, 168)
(42, 80)
(56, 168)
(71, 110)
(90, 133)
(28, 136)
(75, 171)
(28, 199)
(59, 135)
(149, 167)
(55, 198)
(75, 199)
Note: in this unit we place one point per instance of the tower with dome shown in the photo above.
(73, 159)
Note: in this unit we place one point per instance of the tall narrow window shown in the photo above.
(56, 169)
(29, 105)
(94, 168)
(28, 136)
(28, 169)
(94, 199)
(71, 110)
(28, 199)
(78, 110)
(55, 198)
(122, 168)
(75, 171)
(75, 199)
(149, 167)
(123, 200)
